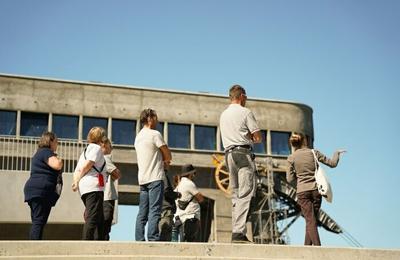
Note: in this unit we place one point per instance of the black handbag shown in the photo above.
(59, 184)
(183, 204)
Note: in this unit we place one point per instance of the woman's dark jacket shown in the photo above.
(43, 180)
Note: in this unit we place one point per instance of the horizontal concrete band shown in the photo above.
(155, 250)
(135, 257)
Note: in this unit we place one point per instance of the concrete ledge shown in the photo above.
(135, 257)
(168, 250)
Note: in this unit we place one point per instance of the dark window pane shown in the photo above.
(89, 122)
(280, 143)
(205, 137)
(261, 147)
(160, 128)
(8, 121)
(123, 131)
(178, 136)
(65, 126)
(33, 124)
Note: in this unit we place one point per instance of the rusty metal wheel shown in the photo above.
(221, 173)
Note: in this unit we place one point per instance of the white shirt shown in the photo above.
(90, 181)
(110, 191)
(236, 122)
(149, 157)
(188, 190)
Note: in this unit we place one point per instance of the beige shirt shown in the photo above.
(236, 122)
(302, 168)
(149, 157)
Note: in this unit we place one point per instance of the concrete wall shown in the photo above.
(68, 210)
(56, 96)
(66, 218)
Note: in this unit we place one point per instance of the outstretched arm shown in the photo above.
(327, 161)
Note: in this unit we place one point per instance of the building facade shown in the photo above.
(188, 121)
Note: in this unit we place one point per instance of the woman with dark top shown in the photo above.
(40, 189)
(301, 172)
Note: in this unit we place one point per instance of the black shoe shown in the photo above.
(240, 238)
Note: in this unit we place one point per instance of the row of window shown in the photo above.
(123, 131)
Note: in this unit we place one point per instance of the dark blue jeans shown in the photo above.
(150, 204)
(40, 211)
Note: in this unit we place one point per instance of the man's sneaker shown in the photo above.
(240, 238)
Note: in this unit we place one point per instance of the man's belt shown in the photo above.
(245, 146)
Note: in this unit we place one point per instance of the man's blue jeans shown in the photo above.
(150, 205)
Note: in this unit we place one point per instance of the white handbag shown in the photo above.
(323, 185)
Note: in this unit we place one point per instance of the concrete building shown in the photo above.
(189, 124)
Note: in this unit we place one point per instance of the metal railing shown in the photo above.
(16, 153)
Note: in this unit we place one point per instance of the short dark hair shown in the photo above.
(235, 91)
(145, 114)
(46, 138)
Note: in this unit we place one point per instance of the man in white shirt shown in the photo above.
(153, 156)
(239, 130)
(188, 207)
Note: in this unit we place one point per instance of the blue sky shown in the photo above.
(340, 57)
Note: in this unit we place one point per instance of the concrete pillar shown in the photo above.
(109, 128)
(80, 128)
(192, 145)
(291, 147)
(137, 126)
(18, 125)
(50, 122)
(166, 132)
(219, 141)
